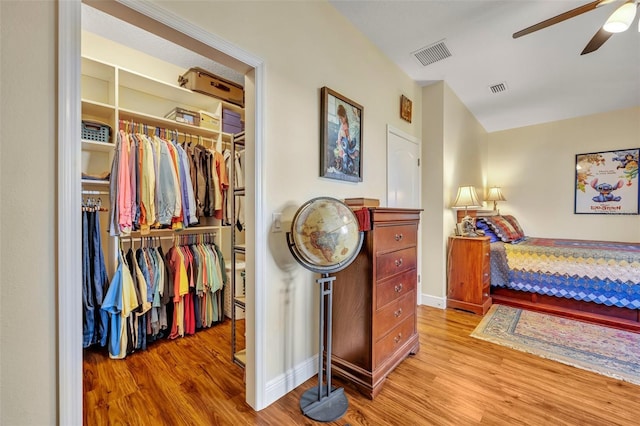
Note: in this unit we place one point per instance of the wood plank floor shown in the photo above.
(453, 380)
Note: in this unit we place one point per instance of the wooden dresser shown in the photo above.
(374, 302)
(469, 274)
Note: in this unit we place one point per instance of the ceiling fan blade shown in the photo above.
(598, 40)
(562, 17)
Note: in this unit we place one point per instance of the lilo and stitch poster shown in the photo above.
(607, 182)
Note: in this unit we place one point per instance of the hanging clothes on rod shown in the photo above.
(197, 266)
(94, 276)
(156, 295)
(158, 182)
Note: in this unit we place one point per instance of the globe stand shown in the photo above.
(324, 403)
(311, 246)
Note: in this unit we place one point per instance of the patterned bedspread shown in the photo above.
(596, 271)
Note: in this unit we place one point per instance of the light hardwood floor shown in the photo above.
(453, 380)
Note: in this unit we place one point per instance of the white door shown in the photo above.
(403, 169)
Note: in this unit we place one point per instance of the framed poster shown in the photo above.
(607, 182)
(340, 137)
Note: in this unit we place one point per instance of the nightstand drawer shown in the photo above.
(394, 288)
(388, 345)
(393, 314)
(395, 237)
(396, 262)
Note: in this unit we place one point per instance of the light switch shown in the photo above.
(276, 222)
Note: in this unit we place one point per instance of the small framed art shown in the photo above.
(405, 108)
(340, 137)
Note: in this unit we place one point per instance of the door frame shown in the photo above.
(69, 272)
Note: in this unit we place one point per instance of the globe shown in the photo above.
(325, 235)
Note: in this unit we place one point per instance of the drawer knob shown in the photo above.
(398, 237)
(397, 313)
(398, 288)
(397, 338)
(398, 262)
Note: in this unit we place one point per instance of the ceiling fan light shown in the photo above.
(621, 19)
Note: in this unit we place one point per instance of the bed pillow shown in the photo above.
(514, 222)
(502, 228)
(488, 232)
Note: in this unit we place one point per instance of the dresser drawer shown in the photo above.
(395, 237)
(388, 345)
(393, 314)
(395, 262)
(395, 287)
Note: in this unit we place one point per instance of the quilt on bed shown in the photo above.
(595, 271)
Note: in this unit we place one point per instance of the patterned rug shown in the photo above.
(607, 351)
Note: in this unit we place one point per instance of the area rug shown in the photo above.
(607, 351)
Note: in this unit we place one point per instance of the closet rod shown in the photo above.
(163, 237)
(88, 192)
(134, 123)
(173, 232)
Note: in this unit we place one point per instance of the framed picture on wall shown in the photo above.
(607, 182)
(340, 137)
(405, 108)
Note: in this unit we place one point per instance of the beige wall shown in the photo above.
(305, 45)
(28, 211)
(454, 153)
(535, 166)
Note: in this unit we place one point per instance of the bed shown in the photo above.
(596, 281)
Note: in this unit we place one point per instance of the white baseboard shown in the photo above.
(294, 377)
(433, 301)
(290, 380)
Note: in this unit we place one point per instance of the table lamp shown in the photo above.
(467, 197)
(495, 195)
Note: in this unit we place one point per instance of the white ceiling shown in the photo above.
(546, 77)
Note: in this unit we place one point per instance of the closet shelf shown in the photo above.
(88, 145)
(241, 357)
(97, 69)
(240, 301)
(152, 86)
(240, 248)
(93, 108)
(165, 123)
(239, 191)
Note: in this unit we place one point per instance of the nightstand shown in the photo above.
(468, 274)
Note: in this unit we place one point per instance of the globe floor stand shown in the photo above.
(324, 403)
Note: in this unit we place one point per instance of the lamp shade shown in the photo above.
(621, 19)
(495, 194)
(467, 197)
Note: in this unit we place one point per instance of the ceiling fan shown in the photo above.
(620, 20)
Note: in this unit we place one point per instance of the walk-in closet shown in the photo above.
(163, 250)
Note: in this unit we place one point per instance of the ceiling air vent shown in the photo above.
(433, 53)
(498, 88)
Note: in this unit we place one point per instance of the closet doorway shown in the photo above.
(149, 17)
